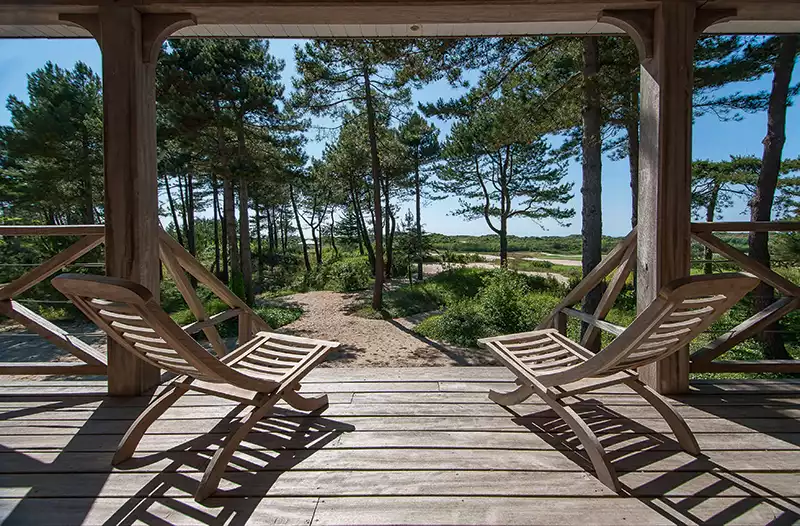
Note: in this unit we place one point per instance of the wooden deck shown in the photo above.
(401, 446)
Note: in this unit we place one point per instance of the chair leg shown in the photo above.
(602, 466)
(517, 396)
(222, 457)
(133, 436)
(304, 403)
(676, 422)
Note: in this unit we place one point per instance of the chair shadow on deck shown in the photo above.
(654, 469)
(276, 444)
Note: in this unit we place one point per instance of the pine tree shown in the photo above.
(421, 139)
(500, 171)
(55, 146)
(338, 75)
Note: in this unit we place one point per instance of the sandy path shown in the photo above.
(370, 342)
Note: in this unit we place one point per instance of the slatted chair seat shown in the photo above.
(258, 373)
(554, 367)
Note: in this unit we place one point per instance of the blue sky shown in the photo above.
(712, 139)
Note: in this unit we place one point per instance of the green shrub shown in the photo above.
(171, 298)
(407, 301)
(54, 313)
(503, 304)
(349, 275)
(461, 324)
(436, 292)
(538, 306)
(183, 317)
(278, 316)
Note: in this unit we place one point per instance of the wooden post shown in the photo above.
(665, 167)
(665, 37)
(130, 43)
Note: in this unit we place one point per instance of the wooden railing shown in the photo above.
(176, 260)
(705, 360)
(621, 261)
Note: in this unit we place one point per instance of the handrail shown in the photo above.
(746, 226)
(52, 230)
(619, 263)
(177, 261)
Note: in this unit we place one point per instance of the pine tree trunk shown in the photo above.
(284, 231)
(223, 275)
(761, 204)
(333, 236)
(317, 251)
(88, 201)
(235, 269)
(377, 291)
(711, 211)
(503, 240)
(632, 127)
(272, 244)
(300, 230)
(259, 253)
(215, 211)
(191, 235)
(418, 203)
(364, 241)
(183, 208)
(505, 207)
(244, 241)
(173, 211)
(388, 226)
(592, 227)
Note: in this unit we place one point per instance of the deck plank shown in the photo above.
(402, 446)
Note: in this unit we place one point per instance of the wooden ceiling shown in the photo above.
(383, 18)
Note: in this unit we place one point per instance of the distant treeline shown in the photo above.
(490, 243)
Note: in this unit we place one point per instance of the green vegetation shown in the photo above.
(476, 303)
(567, 245)
(241, 193)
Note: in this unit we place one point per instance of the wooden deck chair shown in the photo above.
(553, 367)
(260, 373)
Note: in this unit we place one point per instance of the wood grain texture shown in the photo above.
(664, 239)
(441, 455)
(746, 226)
(131, 190)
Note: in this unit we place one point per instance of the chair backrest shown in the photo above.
(683, 309)
(130, 315)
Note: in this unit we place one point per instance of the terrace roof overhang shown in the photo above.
(386, 19)
(130, 34)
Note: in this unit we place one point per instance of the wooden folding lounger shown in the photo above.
(260, 372)
(548, 364)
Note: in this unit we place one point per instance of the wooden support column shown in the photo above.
(665, 37)
(130, 43)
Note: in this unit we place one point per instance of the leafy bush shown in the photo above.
(183, 317)
(462, 324)
(436, 292)
(538, 306)
(502, 302)
(54, 313)
(505, 304)
(279, 316)
(171, 299)
(349, 275)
